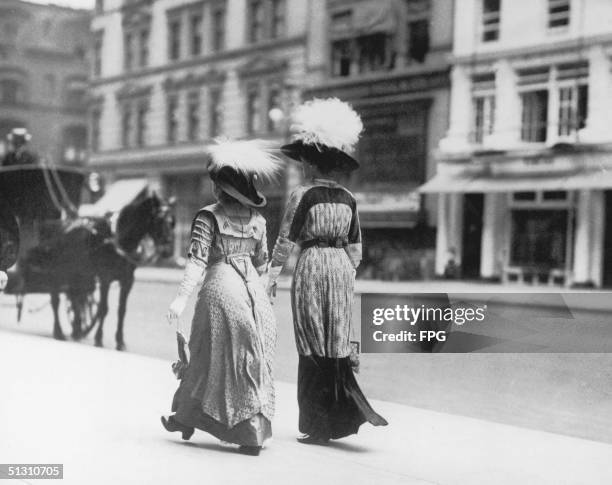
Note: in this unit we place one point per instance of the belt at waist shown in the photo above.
(338, 242)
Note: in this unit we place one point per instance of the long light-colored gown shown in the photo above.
(228, 389)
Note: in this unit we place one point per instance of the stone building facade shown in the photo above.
(524, 174)
(169, 76)
(43, 77)
(388, 58)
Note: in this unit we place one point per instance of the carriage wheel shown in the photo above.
(82, 311)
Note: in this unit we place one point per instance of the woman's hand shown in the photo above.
(3, 280)
(271, 290)
(176, 309)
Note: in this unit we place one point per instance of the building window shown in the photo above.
(172, 119)
(534, 120)
(558, 13)
(393, 147)
(174, 39)
(278, 18)
(144, 47)
(341, 58)
(274, 102)
(219, 17)
(373, 52)
(126, 126)
(254, 113)
(97, 55)
(196, 34)
(193, 116)
(484, 117)
(215, 112)
(96, 117)
(490, 20)
(539, 238)
(256, 21)
(128, 52)
(572, 109)
(11, 92)
(418, 40)
(75, 95)
(141, 123)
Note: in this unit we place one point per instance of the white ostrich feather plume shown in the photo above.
(250, 157)
(328, 122)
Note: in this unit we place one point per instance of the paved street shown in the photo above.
(97, 412)
(561, 393)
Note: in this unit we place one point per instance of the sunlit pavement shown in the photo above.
(97, 412)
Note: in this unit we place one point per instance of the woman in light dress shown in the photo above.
(228, 389)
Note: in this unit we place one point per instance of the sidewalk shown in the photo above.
(97, 412)
(596, 300)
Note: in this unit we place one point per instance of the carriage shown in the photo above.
(49, 247)
(37, 203)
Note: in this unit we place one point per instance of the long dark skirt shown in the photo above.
(331, 403)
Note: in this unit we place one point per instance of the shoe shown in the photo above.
(172, 425)
(313, 440)
(250, 450)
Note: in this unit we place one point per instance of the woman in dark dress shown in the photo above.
(227, 389)
(322, 219)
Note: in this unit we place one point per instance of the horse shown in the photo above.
(118, 261)
(89, 254)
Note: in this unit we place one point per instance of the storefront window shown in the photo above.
(539, 238)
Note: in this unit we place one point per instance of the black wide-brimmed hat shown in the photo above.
(238, 186)
(331, 159)
(325, 131)
(235, 166)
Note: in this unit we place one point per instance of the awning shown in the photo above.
(117, 196)
(479, 183)
(369, 18)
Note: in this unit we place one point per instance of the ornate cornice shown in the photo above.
(261, 66)
(191, 80)
(222, 56)
(131, 91)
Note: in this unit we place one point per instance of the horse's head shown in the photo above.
(149, 218)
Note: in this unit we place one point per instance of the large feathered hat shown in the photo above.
(235, 166)
(325, 131)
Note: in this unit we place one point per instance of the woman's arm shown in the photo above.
(202, 233)
(354, 247)
(260, 260)
(288, 235)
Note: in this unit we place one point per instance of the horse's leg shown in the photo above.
(126, 286)
(102, 311)
(76, 300)
(57, 329)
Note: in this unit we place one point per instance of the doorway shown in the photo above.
(473, 208)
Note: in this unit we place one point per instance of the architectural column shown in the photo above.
(583, 239)
(442, 234)
(460, 111)
(507, 124)
(600, 98)
(449, 233)
(492, 236)
(597, 220)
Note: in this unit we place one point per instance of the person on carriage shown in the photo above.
(19, 154)
(227, 389)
